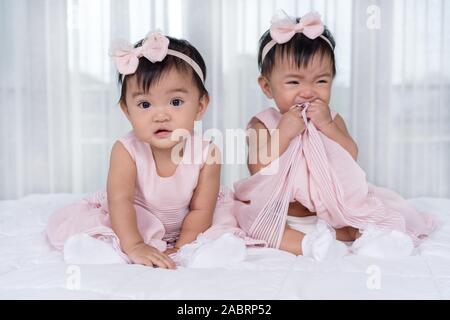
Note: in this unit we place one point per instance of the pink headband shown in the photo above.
(283, 29)
(155, 47)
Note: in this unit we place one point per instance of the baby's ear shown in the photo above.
(202, 106)
(265, 86)
(124, 108)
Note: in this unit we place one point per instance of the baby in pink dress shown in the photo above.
(306, 188)
(163, 181)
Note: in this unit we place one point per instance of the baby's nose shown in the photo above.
(161, 116)
(305, 96)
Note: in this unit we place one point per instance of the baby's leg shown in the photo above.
(318, 244)
(291, 241)
(347, 234)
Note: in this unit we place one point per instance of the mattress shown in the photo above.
(31, 269)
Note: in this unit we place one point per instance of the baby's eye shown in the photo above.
(144, 105)
(293, 82)
(176, 102)
(322, 81)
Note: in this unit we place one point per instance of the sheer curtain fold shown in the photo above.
(35, 107)
(58, 89)
(371, 102)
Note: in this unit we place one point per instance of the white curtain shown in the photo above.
(58, 91)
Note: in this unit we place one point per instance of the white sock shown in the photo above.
(225, 251)
(321, 244)
(378, 243)
(84, 249)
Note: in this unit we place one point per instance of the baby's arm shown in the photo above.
(289, 127)
(120, 189)
(337, 131)
(203, 200)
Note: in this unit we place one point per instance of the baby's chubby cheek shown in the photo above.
(285, 106)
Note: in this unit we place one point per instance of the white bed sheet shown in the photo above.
(30, 269)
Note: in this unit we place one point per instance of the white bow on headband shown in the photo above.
(283, 28)
(155, 47)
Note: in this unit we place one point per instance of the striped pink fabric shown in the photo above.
(320, 174)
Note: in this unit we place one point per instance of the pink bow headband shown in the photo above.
(155, 47)
(283, 29)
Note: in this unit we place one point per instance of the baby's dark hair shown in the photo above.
(300, 47)
(149, 73)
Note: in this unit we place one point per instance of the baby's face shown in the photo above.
(172, 103)
(289, 85)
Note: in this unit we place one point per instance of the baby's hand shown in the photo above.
(150, 256)
(291, 123)
(170, 251)
(319, 113)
